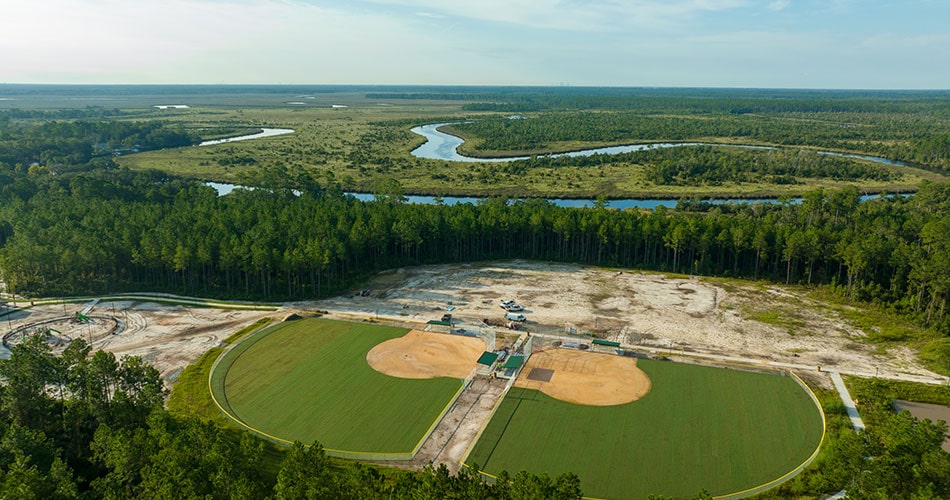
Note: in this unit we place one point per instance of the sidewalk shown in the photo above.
(848, 402)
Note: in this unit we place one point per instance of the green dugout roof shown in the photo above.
(514, 362)
(487, 358)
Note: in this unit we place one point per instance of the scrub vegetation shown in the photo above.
(361, 147)
(82, 213)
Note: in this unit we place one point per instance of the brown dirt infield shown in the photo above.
(420, 354)
(586, 378)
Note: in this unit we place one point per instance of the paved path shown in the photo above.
(144, 297)
(454, 434)
(848, 402)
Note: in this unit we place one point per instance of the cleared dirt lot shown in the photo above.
(655, 313)
(170, 337)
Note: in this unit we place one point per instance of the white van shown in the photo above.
(515, 317)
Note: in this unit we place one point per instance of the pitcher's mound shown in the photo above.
(585, 378)
(420, 354)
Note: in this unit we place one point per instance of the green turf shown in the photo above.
(699, 427)
(308, 380)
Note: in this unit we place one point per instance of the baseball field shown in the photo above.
(698, 428)
(628, 428)
(309, 380)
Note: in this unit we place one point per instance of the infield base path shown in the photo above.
(585, 378)
(420, 354)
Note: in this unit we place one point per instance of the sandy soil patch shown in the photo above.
(420, 354)
(585, 378)
(169, 337)
(651, 311)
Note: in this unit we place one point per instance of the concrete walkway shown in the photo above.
(848, 402)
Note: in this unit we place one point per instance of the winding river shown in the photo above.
(265, 132)
(442, 146)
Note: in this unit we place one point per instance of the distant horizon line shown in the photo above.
(472, 85)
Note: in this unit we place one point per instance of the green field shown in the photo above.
(308, 380)
(698, 428)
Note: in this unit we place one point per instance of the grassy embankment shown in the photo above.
(190, 397)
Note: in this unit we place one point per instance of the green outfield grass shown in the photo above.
(308, 380)
(698, 428)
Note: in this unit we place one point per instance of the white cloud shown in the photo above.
(596, 42)
(779, 5)
(572, 15)
(206, 41)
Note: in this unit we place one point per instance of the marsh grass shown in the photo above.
(360, 146)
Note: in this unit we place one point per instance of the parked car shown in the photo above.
(514, 308)
(506, 303)
(515, 317)
(447, 318)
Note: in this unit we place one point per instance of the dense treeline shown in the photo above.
(692, 100)
(72, 144)
(114, 230)
(708, 165)
(698, 165)
(737, 101)
(899, 456)
(911, 137)
(86, 425)
(896, 456)
(89, 112)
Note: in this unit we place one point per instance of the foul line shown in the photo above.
(355, 455)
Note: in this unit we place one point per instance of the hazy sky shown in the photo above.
(716, 43)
